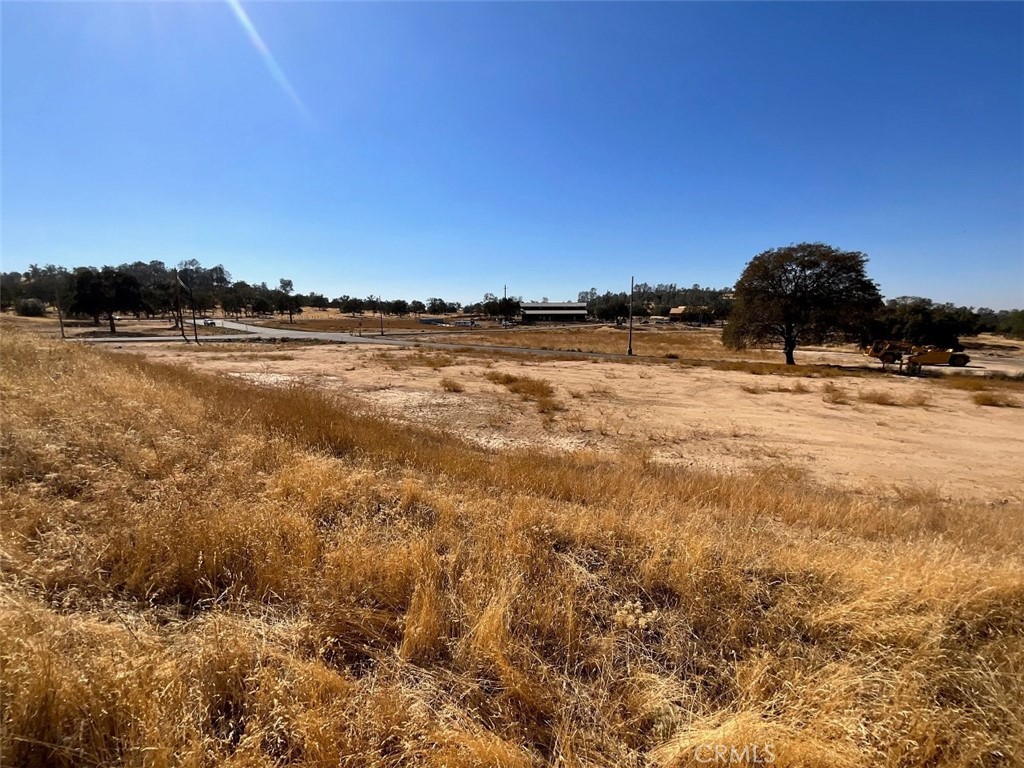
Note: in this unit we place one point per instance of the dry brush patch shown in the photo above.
(201, 571)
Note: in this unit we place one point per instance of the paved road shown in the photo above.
(249, 332)
(282, 334)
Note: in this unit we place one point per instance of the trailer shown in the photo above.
(914, 356)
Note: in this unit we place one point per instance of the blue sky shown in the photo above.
(448, 149)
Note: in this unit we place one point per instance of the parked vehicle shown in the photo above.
(913, 356)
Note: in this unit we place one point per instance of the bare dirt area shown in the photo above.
(879, 433)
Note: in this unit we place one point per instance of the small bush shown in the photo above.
(451, 385)
(967, 383)
(918, 399)
(30, 308)
(995, 399)
(830, 393)
(877, 397)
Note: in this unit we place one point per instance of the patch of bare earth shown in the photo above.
(881, 434)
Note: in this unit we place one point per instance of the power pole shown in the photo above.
(179, 316)
(60, 316)
(629, 349)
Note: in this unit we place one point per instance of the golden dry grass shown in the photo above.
(452, 385)
(995, 399)
(200, 571)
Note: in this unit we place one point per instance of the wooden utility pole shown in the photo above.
(629, 349)
(60, 316)
(179, 316)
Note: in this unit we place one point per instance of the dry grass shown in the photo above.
(400, 361)
(670, 343)
(984, 383)
(530, 389)
(836, 395)
(995, 399)
(881, 397)
(452, 385)
(200, 571)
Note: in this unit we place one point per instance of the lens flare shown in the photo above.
(268, 58)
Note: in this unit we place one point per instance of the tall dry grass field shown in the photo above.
(198, 571)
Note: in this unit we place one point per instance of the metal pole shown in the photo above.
(629, 349)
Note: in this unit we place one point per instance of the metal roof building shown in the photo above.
(553, 312)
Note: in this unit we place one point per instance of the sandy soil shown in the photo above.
(937, 441)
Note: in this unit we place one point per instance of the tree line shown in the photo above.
(152, 289)
(801, 293)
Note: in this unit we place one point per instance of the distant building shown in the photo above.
(553, 312)
(691, 313)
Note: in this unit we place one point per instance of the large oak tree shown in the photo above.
(806, 293)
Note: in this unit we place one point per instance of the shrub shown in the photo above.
(877, 397)
(30, 308)
(830, 393)
(451, 385)
(995, 399)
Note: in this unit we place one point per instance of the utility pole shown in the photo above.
(504, 303)
(60, 316)
(179, 316)
(629, 349)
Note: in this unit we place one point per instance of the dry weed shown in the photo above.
(995, 399)
(202, 571)
(452, 385)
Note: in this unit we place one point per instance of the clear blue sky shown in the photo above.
(448, 149)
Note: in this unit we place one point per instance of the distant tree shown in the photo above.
(286, 302)
(317, 301)
(1011, 323)
(804, 293)
(922, 321)
(399, 307)
(351, 304)
(417, 307)
(436, 306)
(105, 293)
(261, 305)
(10, 289)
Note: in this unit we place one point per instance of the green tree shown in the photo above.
(11, 289)
(805, 293)
(288, 303)
(105, 293)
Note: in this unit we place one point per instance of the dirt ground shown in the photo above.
(837, 430)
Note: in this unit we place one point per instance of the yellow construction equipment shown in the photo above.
(913, 356)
